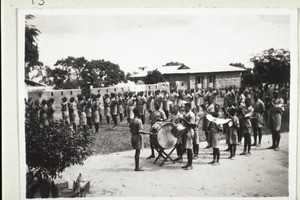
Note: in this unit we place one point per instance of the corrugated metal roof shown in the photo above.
(193, 70)
(202, 69)
(33, 83)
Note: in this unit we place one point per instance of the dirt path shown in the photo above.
(264, 173)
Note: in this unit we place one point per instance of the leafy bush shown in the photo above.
(51, 149)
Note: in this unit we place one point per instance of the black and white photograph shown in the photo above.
(169, 103)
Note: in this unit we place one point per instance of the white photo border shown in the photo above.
(293, 128)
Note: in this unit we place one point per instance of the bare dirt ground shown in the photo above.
(263, 174)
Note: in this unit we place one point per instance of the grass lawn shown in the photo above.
(109, 139)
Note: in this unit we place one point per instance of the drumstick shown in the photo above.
(189, 123)
(146, 133)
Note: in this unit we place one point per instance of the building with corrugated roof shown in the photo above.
(186, 77)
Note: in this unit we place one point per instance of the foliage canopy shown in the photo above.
(51, 149)
(74, 72)
(272, 66)
(153, 77)
(31, 47)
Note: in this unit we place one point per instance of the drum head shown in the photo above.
(178, 130)
(155, 127)
(165, 137)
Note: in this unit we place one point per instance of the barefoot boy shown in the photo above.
(136, 129)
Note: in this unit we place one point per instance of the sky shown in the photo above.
(133, 41)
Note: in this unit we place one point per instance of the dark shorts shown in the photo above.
(72, 118)
(214, 138)
(233, 137)
(136, 141)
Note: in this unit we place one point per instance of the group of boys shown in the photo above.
(245, 110)
(248, 109)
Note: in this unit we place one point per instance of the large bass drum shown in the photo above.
(178, 130)
(164, 138)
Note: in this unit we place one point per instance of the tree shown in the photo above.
(57, 75)
(174, 64)
(103, 73)
(239, 65)
(74, 72)
(31, 47)
(272, 66)
(51, 149)
(248, 78)
(153, 76)
(128, 77)
(74, 65)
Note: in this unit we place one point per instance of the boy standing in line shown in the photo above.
(214, 136)
(247, 126)
(189, 117)
(136, 129)
(276, 111)
(258, 120)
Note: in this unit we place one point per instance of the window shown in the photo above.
(182, 84)
(98, 91)
(211, 79)
(40, 94)
(71, 92)
(199, 79)
(62, 93)
(156, 86)
(149, 87)
(51, 93)
(106, 90)
(115, 89)
(122, 89)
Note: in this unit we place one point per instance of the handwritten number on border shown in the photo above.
(40, 2)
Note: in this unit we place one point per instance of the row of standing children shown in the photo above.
(246, 110)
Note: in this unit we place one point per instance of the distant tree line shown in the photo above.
(76, 72)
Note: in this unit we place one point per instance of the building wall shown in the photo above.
(179, 79)
(42, 93)
(221, 80)
(228, 79)
(132, 88)
(193, 81)
(57, 95)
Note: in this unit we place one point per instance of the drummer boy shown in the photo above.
(136, 129)
(176, 119)
(156, 116)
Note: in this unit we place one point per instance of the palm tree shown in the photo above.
(31, 47)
